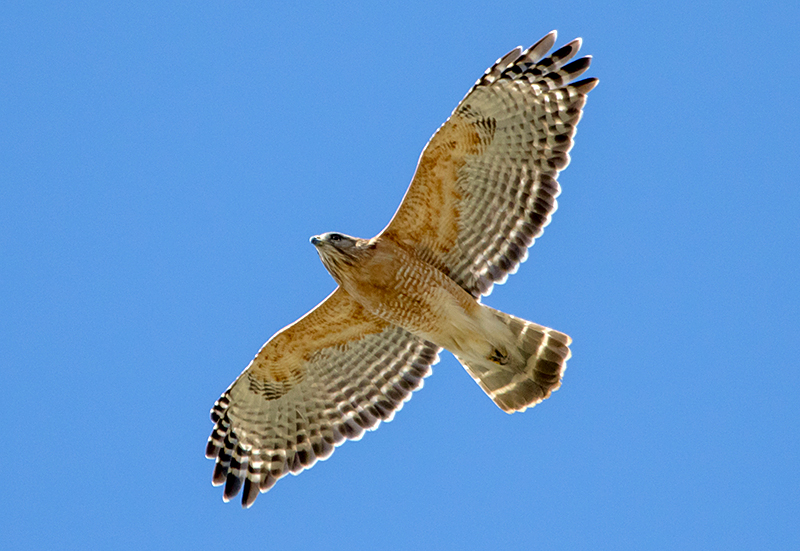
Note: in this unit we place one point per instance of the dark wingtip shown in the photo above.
(220, 474)
(249, 494)
(578, 66)
(566, 51)
(211, 449)
(232, 486)
(586, 85)
(267, 482)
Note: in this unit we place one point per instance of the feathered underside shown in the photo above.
(484, 189)
(352, 372)
(486, 184)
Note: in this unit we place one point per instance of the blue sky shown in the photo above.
(161, 170)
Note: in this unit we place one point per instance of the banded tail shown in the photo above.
(522, 370)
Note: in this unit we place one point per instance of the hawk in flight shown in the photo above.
(484, 189)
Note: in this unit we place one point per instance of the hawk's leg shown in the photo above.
(498, 356)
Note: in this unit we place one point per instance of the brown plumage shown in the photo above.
(484, 189)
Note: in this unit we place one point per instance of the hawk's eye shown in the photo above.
(335, 237)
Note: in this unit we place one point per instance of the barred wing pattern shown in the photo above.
(486, 183)
(333, 374)
(484, 189)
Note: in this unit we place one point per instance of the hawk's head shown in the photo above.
(340, 252)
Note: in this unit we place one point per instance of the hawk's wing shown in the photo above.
(329, 376)
(485, 185)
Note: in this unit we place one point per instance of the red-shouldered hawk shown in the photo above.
(484, 189)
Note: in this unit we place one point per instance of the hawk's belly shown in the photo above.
(410, 293)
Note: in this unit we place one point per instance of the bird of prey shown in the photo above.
(484, 188)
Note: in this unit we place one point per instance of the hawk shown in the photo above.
(484, 189)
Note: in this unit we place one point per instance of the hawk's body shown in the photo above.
(484, 189)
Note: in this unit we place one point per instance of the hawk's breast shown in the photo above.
(400, 288)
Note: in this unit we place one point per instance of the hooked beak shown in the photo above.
(316, 241)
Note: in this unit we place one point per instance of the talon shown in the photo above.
(499, 357)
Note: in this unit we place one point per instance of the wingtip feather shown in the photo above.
(586, 85)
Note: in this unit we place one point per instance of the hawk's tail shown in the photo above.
(524, 370)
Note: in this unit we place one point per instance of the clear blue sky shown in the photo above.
(162, 167)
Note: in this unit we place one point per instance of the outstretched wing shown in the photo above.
(485, 185)
(331, 375)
